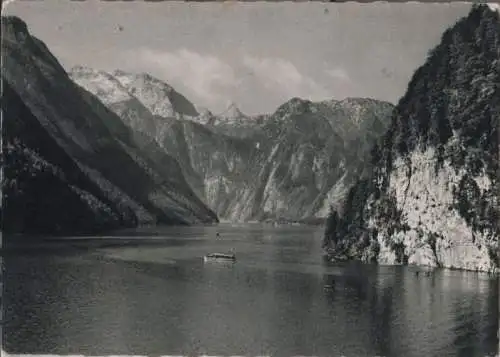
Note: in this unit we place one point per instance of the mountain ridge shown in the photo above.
(221, 155)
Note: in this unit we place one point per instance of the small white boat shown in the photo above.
(214, 257)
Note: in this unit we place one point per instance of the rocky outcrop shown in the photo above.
(275, 166)
(71, 165)
(431, 197)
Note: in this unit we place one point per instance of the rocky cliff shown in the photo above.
(431, 198)
(275, 166)
(71, 165)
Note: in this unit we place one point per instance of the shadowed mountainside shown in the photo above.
(71, 166)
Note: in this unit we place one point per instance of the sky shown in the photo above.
(256, 55)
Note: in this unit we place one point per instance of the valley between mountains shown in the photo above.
(417, 183)
(284, 166)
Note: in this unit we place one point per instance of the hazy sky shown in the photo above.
(257, 55)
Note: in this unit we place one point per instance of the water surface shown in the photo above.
(149, 292)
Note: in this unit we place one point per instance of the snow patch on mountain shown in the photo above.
(101, 84)
(152, 93)
(159, 97)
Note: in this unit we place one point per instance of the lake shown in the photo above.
(149, 292)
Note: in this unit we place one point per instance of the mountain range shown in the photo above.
(71, 165)
(286, 166)
(127, 149)
(431, 196)
(88, 150)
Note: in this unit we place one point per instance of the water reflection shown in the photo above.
(363, 301)
(273, 301)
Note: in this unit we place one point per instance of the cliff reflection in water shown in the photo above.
(278, 299)
(447, 308)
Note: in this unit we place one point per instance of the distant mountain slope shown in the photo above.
(233, 122)
(59, 138)
(112, 93)
(275, 166)
(432, 196)
(160, 98)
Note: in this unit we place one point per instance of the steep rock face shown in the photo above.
(274, 166)
(298, 140)
(431, 198)
(59, 138)
(213, 164)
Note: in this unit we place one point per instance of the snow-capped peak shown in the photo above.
(144, 79)
(123, 77)
(101, 83)
(232, 112)
(158, 96)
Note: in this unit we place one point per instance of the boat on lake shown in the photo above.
(222, 257)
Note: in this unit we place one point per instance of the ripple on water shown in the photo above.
(160, 297)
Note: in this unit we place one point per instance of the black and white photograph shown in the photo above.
(251, 178)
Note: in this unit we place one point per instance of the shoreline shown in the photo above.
(327, 258)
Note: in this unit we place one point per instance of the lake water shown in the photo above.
(158, 297)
